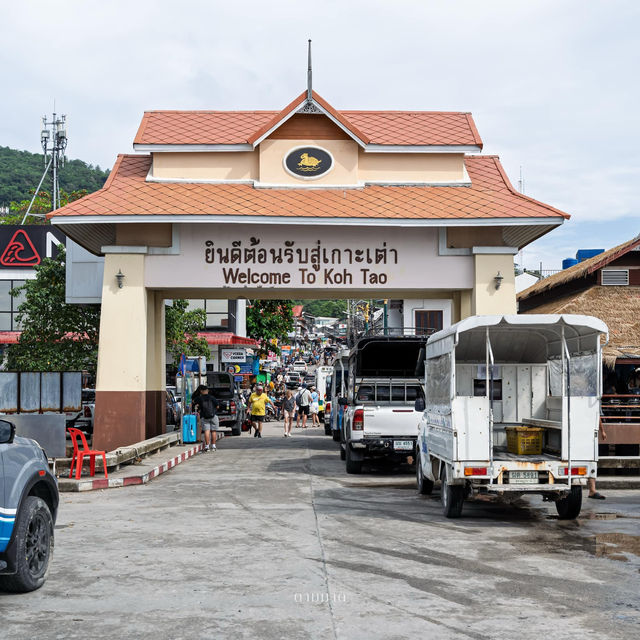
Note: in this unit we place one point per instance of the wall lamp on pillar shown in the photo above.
(120, 278)
(498, 280)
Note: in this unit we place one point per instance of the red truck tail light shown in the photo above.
(232, 406)
(475, 471)
(358, 420)
(575, 471)
(327, 407)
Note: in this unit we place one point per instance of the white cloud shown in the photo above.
(551, 84)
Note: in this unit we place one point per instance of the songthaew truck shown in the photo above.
(382, 386)
(512, 408)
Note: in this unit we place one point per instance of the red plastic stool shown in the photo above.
(80, 454)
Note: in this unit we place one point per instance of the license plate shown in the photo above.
(523, 477)
(403, 445)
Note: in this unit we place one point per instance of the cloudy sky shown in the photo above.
(552, 84)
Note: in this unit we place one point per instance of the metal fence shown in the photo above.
(40, 392)
(621, 422)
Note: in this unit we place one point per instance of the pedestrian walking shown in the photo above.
(206, 406)
(258, 402)
(303, 400)
(594, 494)
(288, 410)
(314, 407)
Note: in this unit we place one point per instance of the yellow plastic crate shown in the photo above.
(525, 441)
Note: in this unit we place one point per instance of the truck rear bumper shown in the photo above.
(385, 445)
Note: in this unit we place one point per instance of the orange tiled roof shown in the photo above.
(490, 196)
(245, 127)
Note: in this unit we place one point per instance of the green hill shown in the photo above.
(21, 171)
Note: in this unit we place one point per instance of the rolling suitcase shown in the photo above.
(189, 428)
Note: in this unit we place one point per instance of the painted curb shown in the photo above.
(69, 484)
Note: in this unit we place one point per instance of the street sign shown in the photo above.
(233, 355)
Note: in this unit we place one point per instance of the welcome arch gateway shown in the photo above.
(206, 209)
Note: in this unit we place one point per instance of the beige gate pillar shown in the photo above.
(130, 380)
(494, 290)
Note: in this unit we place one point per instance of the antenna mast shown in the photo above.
(53, 132)
(309, 74)
(521, 181)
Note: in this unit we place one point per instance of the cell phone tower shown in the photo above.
(53, 138)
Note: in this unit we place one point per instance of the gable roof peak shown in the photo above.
(316, 104)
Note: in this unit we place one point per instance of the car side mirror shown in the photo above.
(343, 402)
(419, 404)
(7, 431)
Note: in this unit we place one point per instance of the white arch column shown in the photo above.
(131, 356)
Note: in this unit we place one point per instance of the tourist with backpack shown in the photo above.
(206, 406)
(303, 400)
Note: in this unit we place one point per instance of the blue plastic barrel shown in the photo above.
(568, 262)
(585, 254)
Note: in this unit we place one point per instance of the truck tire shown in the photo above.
(34, 540)
(327, 429)
(353, 466)
(343, 453)
(452, 497)
(425, 486)
(336, 436)
(569, 508)
(236, 430)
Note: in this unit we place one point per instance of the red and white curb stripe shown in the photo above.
(110, 483)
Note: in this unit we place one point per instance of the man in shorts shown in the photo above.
(206, 406)
(258, 402)
(303, 400)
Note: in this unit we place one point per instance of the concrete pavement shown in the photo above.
(269, 538)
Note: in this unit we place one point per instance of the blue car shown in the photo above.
(28, 507)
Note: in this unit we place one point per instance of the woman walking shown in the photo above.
(288, 407)
(314, 407)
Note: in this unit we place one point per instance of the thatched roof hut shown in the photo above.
(579, 290)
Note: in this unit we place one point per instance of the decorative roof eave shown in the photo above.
(97, 232)
(128, 198)
(321, 105)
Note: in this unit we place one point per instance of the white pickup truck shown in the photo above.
(379, 417)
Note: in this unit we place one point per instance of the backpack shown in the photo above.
(207, 407)
(299, 398)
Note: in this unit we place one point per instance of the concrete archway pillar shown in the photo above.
(131, 357)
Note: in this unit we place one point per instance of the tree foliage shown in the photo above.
(20, 172)
(269, 320)
(182, 328)
(41, 205)
(324, 308)
(56, 336)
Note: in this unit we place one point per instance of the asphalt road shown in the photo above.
(271, 539)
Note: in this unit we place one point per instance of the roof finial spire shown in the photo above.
(309, 89)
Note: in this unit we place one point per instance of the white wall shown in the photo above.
(426, 305)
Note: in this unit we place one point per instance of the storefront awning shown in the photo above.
(228, 339)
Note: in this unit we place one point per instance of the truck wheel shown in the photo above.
(327, 429)
(236, 430)
(353, 466)
(336, 436)
(452, 497)
(34, 540)
(569, 508)
(425, 486)
(343, 453)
